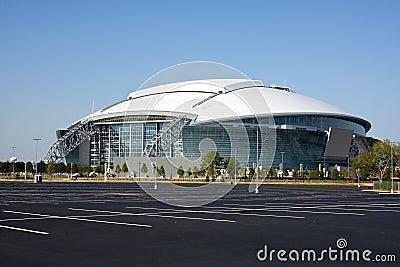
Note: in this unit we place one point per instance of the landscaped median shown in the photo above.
(55, 179)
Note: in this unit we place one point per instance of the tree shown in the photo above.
(51, 169)
(29, 166)
(314, 174)
(161, 171)
(180, 171)
(118, 169)
(209, 161)
(335, 174)
(242, 172)
(189, 172)
(124, 168)
(251, 173)
(99, 169)
(86, 170)
(75, 168)
(60, 167)
(41, 167)
(272, 173)
(19, 166)
(305, 173)
(144, 168)
(376, 163)
(230, 164)
(195, 171)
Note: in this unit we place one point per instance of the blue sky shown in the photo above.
(58, 57)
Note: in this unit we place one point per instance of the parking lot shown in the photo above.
(117, 224)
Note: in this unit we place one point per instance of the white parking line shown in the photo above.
(296, 211)
(23, 230)
(229, 212)
(155, 215)
(77, 218)
(24, 219)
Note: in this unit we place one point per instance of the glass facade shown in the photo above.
(300, 139)
(320, 123)
(124, 140)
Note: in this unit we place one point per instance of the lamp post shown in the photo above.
(235, 167)
(36, 165)
(256, 191)
(348, 166)
(391, 164)
(139, 171)
(13, 157)
(283, 169)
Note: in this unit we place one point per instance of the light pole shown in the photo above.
(348, 166)
(391, 164)
(283, 169)
(36, 165)
(235, 167)
(13, 157)
(256, 191)
(139, 171)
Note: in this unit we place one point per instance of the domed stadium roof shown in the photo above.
(222, 99)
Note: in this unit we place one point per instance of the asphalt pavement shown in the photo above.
(117, 224)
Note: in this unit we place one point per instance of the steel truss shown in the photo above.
(166, 138)
(68, 142)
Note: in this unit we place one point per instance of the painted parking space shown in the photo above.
(112, 224)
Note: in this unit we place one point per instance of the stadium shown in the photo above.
(178, 122)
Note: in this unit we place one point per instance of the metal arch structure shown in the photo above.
(164, 139)
(68, 142)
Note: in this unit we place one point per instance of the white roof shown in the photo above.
(221, 100)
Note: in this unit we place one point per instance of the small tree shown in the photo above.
(75, 168)
(98, 169)
(209, 161)
(314, 174)
(230, 164)
(41, 166)
(335, 174)
(29, 166)
(51, 169)
(144, 169)
(195, 171)
(118, 169)
(162, 171)
(124, 168)
(180, 171)
(251, 172)
(189, 172)
(242, 172)
(272, 173)
(60, 167)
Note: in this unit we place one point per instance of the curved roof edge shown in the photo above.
(217, 86)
